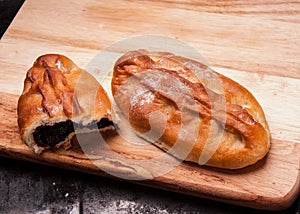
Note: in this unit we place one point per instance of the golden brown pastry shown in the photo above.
(195, 120)
(59, 98)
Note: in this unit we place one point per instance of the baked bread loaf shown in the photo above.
(58, 99)
(195, 120)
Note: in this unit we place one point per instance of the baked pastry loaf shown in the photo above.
(195, 120)
(58, 99)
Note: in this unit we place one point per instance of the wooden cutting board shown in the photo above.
(255, 43)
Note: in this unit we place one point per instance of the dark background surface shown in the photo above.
(31, 188)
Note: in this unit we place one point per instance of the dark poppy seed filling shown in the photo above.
(51, 135)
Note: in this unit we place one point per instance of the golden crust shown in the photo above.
(56, 90)
(231, 132)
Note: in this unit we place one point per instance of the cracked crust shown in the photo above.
(223, 124)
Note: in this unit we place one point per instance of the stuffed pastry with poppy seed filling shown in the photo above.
(58, 99)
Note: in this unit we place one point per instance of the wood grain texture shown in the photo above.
(253, 42)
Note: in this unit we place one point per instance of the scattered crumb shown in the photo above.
(101, 26)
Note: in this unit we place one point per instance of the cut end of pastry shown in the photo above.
(60, 100)
(55, 135)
